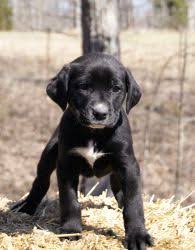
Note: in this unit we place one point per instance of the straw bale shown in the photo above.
(171, 225)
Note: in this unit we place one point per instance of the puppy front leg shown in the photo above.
(45, 167)
(70, 211)
(136, 236)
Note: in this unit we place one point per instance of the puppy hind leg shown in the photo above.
(116, 189)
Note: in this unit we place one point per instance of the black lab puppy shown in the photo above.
(93, 139)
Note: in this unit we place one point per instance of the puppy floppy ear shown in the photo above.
(133, 91)
(58, 87)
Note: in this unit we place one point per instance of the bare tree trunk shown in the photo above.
(125, 13)
(76, 13)
(100, 28)
(100, 33)
(161, 16)
(191, 14)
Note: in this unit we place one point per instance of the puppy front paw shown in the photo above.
(71, 231)
(138, 239)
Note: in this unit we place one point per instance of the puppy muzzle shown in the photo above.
(97, 116)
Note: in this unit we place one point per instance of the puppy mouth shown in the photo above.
(92, 124)
(96, 126)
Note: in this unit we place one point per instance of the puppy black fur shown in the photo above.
(94, 86)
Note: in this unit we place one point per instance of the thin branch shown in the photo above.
(180, 135)
(92, 189)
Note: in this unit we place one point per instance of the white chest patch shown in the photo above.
(88, 153)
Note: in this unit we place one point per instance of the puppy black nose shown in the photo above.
(100, 111)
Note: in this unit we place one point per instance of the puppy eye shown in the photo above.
(83, 86)
(116, 88)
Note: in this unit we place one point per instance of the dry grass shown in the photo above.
(171, 225)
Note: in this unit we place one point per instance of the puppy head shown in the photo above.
(95, 87)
